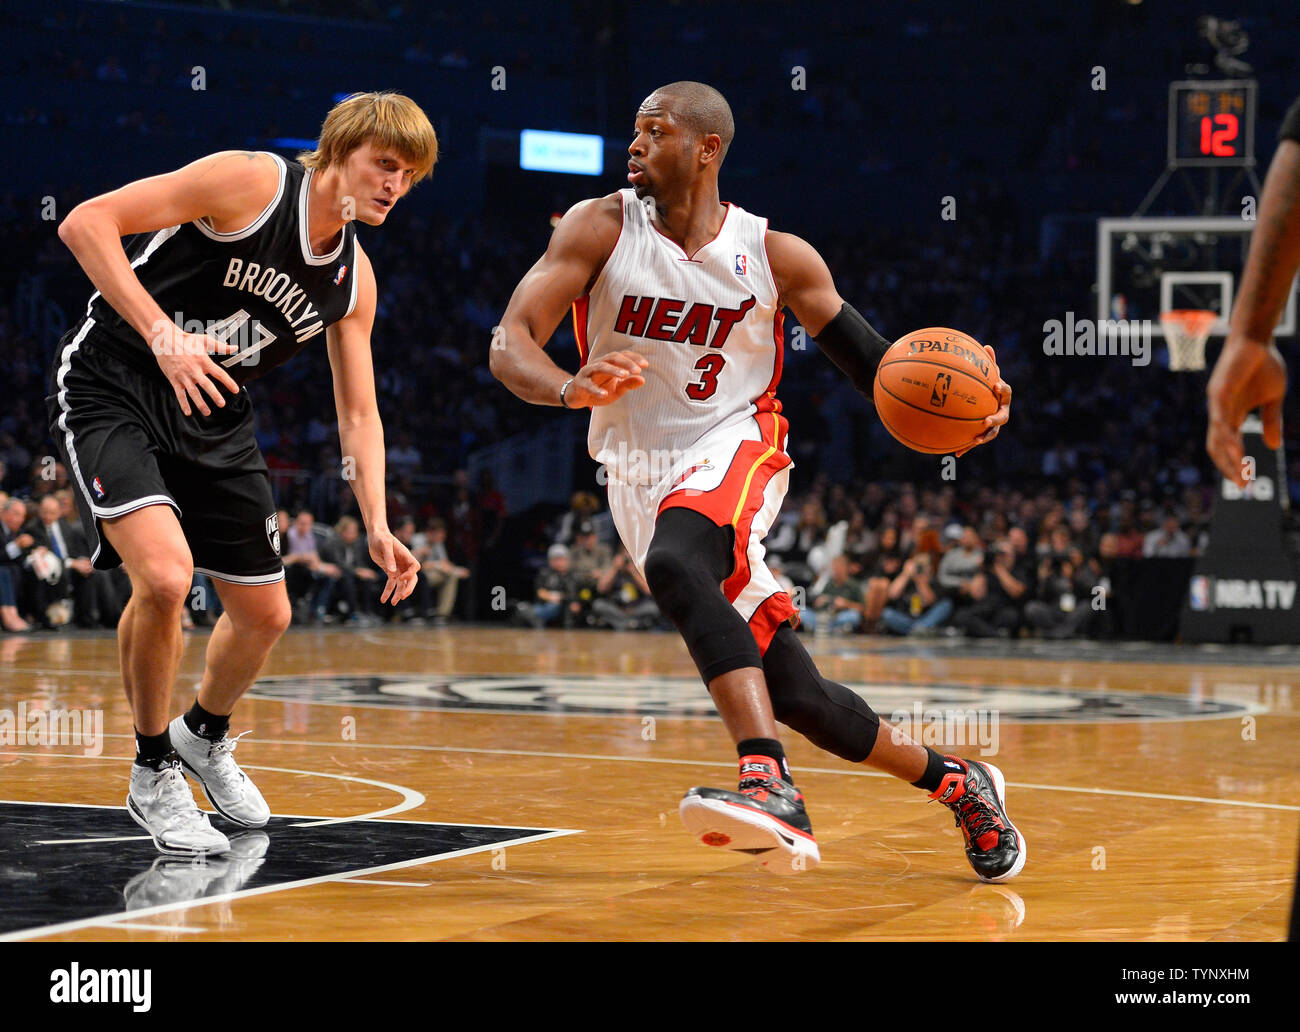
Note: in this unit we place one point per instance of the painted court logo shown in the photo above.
(943, 712)
(102, 985)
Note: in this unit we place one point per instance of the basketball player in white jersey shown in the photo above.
(153, 420)
(677, 301)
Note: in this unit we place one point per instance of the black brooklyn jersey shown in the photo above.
(260, 288)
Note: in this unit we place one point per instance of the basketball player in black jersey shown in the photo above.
(1250, 372)
(234, 264)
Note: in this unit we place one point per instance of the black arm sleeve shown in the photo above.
(856, 349)
(1291, 124)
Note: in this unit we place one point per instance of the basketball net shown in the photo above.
(1187, 330)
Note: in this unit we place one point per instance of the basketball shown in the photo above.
(935, 388)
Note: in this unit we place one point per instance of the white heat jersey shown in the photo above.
(709, 325)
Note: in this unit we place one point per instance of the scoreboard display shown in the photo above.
(1212, 123)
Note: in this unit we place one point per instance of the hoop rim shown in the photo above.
(1186, 331)
(1192, 321)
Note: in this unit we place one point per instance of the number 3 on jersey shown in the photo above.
(710, 366)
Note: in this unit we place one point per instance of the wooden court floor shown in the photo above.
(485, 783)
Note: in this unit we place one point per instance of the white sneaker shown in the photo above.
(227, 787)
(160, 801)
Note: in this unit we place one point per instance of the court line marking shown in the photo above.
(295, 816)
(411, 799)
(377, 881)
(730, 765)
(1123, 793)
(84, 841)
(154, 928)
(102, 920)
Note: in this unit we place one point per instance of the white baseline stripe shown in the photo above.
(294, 816)
(728, 765)
(151, 928)
(83, 841)
(410, 797)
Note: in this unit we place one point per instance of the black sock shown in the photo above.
(936, 767)
(153, 750)
(768, 747)
(206, 725)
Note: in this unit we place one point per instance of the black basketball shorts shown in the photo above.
(128, 445)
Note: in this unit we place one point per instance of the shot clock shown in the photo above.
(1212, 123)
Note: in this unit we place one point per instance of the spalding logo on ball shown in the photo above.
(934, 389)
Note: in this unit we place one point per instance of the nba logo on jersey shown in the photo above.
(338, 278)
(742, 263)
(99, 488)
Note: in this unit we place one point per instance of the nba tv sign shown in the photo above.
(1244, 585)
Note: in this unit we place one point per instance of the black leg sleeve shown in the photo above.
(688, 559)
(823, 711)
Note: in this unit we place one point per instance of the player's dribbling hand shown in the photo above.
(998, 420)
(606, 380)
(185, 359)
(395, 559)
(1248, 375)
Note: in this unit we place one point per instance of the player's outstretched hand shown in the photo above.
(998, 420)
(1248, 375)
(606, 380)
(185, 359)
(395, 559)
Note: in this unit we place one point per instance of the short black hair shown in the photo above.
(702, 109)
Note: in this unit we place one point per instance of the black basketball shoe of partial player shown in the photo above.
(976, 793)
(765, 817)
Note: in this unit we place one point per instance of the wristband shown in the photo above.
(856, 349)
(564, 390)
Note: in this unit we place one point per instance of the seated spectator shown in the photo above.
(1167, 541)
(556, 598)
(440, 573)
(1008, 579)
(307, 584)
(623, 599)
(1061, 609)
(880, 570)
(915, 607)
(961, 570)
(93, 597)
(410, 609)
(15, 544)
(345, 559)
(839, 605)
(589, 557)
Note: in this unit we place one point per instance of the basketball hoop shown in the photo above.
(1187, 330)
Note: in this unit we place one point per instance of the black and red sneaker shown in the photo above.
(977, 796)
(765, 818)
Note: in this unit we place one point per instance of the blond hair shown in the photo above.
(388, 119)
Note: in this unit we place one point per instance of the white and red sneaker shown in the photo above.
(765, 817)
(977, 795)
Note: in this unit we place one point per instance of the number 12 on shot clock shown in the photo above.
(1212, 123)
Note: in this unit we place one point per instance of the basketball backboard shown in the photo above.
(1146, 266)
